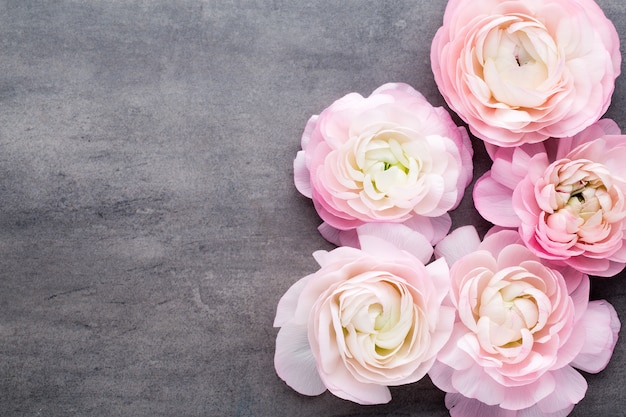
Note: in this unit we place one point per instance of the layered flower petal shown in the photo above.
(387, 158)
(522, 325)
(523, 71)
(569, 204)
(369, 318)
(601, 327)
(295, 362)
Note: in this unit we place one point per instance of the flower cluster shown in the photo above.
(500, 324)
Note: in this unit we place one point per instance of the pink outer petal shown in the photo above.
(571, 387)
(294, 360)
(601, 326)
(600, 129)
(460, 242)
(498, 238)
(535, 411)
(330, 234)
(403, 88)
(494, 202)
(311, 124)
(301, 175)
(385, 239)
(339, 237)
(439, 273)
(441, 375)
(577, 287)
(286, 309)
(359, 392)
(461, 406)
(597, 267)
(433, 228)
(609, 126)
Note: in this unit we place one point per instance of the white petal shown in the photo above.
(601, 326)
(294, 361)
(570, 388)
(433, 228)
(344, 385)
(460, 242)
(385, 239)
(301, 175)
(286, 309)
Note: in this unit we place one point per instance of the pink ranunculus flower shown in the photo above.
(522, 327)
(566, 197)
(521, 71)
(388, 158)
(369, 318)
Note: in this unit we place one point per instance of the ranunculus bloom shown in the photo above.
(367, 319)
(387, 158)
(566, 197)
(520, 71)
(522, 327)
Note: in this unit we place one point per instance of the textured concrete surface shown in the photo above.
(148, 220)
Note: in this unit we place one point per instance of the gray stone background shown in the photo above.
(148, 219)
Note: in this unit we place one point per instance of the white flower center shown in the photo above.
(377, 318)
(519, 61)
(510, 308)
(387, 162)
(580, 201)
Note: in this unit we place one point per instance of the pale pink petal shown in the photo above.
(301, 175)
(439, 273)
(491, 150)
(330, 233)
(535, 411)
(601, 326)
(488, 390)
(597, 267)
(467, 152)
(441, 375)
(571, 348)
(578, 288)
(609, 127)
(349, 238)
(460, 242)
(308, 131)
(468, 407)
(433, 228)
(322, 257)
(385, 239)
(602, 128)
(498, 238)
(339, 237)
(525, 396)
(461, 406)
(288, 303)
(505, 169)
(570, 388)
(294, 361)
(494, 202)
(454, 355)
(393, 88)
(342, 384)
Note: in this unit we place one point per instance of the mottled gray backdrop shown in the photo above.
(148, 219)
